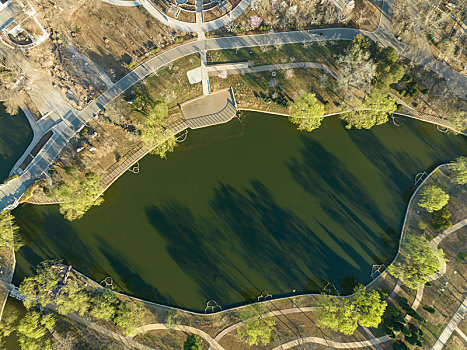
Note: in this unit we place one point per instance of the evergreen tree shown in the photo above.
(256, 325)
(33, 331)
(129, 317)
(459, 169)
(433, 198)
(103, 305)
(79, 194)
(419, 261)
(307, 112)
(72, 298)
(193, 342)
(9, 232)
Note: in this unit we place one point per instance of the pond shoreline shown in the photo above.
(244, 304)
(232, 301)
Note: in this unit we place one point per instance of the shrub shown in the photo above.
(388, 332)
(414, 329)
(179, 39)
(441, 219)
(425, 91)
(398, 327)
(388, 323)
(412, 340)
(429, 309)
(403, 301)
(130, 65)
(84, 131)
(406, 332)
(428, 284)
(325, 102)
(422, 225)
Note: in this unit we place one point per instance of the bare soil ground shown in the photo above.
(92, 44)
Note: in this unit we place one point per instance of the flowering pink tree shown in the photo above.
(255, 22)
(275, 5)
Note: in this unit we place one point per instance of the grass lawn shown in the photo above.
(311, 52)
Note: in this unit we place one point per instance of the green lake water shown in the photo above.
(243, 208)
(15, 137)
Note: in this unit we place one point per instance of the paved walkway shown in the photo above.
(127, 3)
(451, 326)
(333, 344)
(160, 326)
(461, 334)
(234, 69)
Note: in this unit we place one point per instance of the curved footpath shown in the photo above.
(181, 25)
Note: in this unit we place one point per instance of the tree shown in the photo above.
(193, 342)
(369, 306)
(129, 317)
(344, 315)
(72, 298)
(392, 74)
(40, 287)
(433, 198)
(172, 321)
(375, 111)
(256, 325)
(419, 261)
(307, 112)
(338, 314)
(34, 331)
(357, 69)
(459, 169)
(9, 317)
(441, 219)
(388, 55)
(103, 305)
(166, 146)
(154, 133)
(79, 194)
(9, 232)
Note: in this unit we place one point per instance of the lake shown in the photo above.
(247, 207)
(15, 137)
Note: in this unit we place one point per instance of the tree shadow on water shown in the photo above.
(49, 236)
(249, 244)
(132, 282)
(341, 194)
